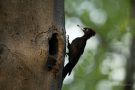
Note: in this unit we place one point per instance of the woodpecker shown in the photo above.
(76, 49)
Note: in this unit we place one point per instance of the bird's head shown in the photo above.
(88, 31)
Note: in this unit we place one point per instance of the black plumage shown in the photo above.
(76, 49)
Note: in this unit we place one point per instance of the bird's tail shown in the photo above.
(67, 70)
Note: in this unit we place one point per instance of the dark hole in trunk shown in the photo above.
(53, 45)
(53, 51)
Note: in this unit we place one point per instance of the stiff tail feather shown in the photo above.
(67, 70)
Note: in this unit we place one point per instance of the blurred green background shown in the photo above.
(108, 60)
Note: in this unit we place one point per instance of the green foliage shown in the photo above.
(110, 19)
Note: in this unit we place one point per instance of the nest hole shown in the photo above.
(53, 45)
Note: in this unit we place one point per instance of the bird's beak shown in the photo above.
(80, 27)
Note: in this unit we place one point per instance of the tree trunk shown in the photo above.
(32, 44)
(129, 80)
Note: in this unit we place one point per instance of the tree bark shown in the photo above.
(32, 44)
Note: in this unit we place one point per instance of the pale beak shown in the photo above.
(81, 27)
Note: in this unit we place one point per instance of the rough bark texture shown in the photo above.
(32, 44)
